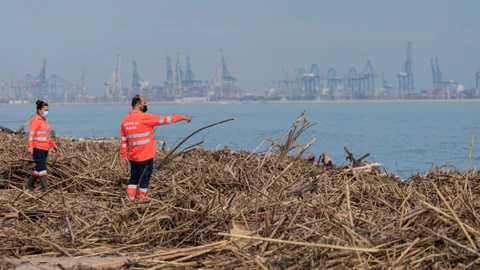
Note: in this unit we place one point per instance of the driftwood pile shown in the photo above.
(225, 209)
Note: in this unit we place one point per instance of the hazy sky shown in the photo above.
(259, 38)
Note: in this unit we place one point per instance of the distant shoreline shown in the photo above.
(374, 101)
(233, 102)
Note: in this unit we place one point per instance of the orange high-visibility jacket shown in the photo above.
(39, 134)
(137, 135)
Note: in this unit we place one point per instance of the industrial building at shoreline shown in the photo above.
(181, 85)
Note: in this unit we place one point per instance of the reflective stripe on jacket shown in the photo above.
(39, 134)
(137, 137)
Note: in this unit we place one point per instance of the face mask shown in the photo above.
(45, 114)
(144, 109)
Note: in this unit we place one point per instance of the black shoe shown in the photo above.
(43, 183)
(31, 183)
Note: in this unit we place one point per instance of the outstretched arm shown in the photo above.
(157, 120)
(170, 119)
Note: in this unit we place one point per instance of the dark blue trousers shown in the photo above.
(141, 171)
(40, 159)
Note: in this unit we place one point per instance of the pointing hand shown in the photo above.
(189, 118)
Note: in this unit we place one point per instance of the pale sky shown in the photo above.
(259, 38)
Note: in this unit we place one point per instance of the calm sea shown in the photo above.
(405, 137)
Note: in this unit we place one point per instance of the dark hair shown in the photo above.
(40, 104)
(135, 100)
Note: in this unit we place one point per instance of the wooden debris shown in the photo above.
(236, 210)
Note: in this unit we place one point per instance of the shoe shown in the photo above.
(31, 183)
(142, 196)
(43, 183)
(131, 192)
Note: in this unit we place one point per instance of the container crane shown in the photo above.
(312, 80)
(333, 81)
(169, 79)
(227, 77)
(281, 84)
(82, 82)
(439, 81)
(387, 87)
(435, 76)
(178, 77)
(478, 79)
(405, 78)
(216, 84)
(114, 84)
(352, 81)
(189, 75)
(41, 85)
(136, 80)
(369, 74)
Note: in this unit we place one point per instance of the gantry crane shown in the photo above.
(478, 79)
(405, 78)
(136, 80)
(82, 82)
(114, 85)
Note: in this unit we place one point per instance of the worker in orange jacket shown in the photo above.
(138, 144)
(39, 143)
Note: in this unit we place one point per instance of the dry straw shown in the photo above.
(226, 209)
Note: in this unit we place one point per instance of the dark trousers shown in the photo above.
(141, 171)
(40, 159)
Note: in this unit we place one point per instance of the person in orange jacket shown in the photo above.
(39, 143)
(138, 145)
